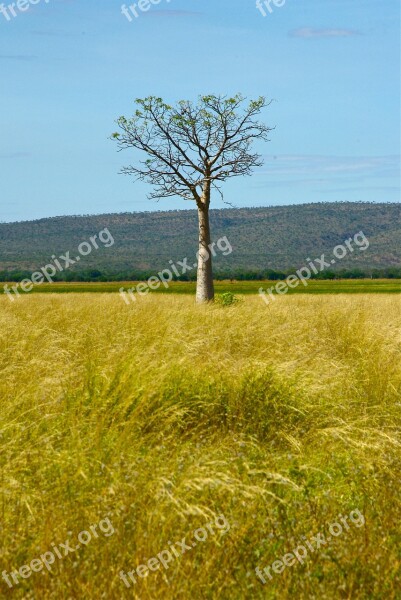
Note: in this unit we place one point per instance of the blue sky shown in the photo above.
(69, 68)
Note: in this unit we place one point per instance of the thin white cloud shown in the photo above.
(328, 172)
(327, 166)
(320, 174)
(14, 155)
(310, 33)
(22, 57)
(55, 33)
(380, 189)
(171, 13)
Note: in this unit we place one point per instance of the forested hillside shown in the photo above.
(263, 239)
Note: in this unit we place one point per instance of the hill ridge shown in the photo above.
(269, 237)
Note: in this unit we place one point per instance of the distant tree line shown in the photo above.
(95, 275)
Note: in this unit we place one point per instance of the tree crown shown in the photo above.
(192, 147)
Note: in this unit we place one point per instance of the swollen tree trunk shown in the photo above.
(204, 284)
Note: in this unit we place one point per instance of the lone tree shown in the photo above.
(192, 148)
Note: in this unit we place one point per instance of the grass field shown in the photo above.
(162, 415)
(344, 286)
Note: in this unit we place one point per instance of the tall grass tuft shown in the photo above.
(163, 415)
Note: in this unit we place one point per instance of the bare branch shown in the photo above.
(191, 147)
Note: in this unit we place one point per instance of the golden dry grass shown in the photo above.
(164, 415)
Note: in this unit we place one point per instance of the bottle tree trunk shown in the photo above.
(204, 283)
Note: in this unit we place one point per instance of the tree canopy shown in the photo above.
(189, 143)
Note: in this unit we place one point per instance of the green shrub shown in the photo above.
(226, 299)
